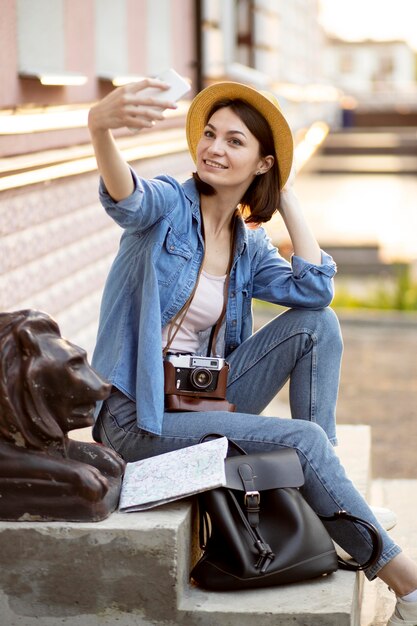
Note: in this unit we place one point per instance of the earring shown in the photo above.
(258, 172)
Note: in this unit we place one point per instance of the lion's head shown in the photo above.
(47, 386)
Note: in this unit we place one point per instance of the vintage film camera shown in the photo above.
(195, 383)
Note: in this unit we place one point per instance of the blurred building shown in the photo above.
(272, 44)
(380, 76)
(57, 58)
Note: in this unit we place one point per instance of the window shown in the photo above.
(244, 32)
(40, 36)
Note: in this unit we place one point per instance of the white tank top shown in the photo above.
(205, 309)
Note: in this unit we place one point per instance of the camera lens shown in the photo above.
(201, 378)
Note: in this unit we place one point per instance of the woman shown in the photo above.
(189, 264)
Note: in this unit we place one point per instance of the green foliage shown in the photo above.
(398, 294)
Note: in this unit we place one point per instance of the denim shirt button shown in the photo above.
(233, 294)
(234, 322)
(172, 247)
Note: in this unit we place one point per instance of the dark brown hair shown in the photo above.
(261, 199)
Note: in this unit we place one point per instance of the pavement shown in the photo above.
(379, 388)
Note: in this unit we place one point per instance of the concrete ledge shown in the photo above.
(132, 569)
(329, 601)
(84, 573)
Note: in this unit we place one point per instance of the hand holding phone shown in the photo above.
(178, 87)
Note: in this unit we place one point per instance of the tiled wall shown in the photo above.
(57, 244)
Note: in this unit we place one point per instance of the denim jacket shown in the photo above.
(154, 272)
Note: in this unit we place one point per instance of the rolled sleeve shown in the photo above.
(127, 206)
(149, 201)
(299, 284)
(300, 267)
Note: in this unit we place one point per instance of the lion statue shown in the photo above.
(48, 388)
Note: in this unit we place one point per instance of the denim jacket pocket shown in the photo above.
(171, 259)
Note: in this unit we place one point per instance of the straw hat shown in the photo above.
(264, 102)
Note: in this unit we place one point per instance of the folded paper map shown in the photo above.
(173, 475)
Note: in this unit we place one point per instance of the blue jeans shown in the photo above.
(306, 347)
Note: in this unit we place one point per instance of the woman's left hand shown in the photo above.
(288, 198)
(291, 180)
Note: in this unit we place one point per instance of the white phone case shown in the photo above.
(178, 87)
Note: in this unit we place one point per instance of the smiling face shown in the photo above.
(228, 154)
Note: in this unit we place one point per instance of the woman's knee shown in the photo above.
(308, 438)
(330, 319)
(327, 327)
(321, 325)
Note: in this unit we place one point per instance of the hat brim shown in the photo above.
(204, 101)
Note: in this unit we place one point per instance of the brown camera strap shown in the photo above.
(179, 318)
(213, 336)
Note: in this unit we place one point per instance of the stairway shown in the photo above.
(367, 151)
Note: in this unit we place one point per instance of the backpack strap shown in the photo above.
(373, 532)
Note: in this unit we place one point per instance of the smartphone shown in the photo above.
(178, 87)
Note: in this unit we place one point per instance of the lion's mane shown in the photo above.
(20, 423)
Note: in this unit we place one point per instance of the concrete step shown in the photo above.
(361, 141)
(132, 569)
(127, 569)
(365, 164)
(401, 497)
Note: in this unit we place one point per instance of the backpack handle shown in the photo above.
(373, 532)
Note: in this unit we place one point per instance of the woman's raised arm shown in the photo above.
(302, 238)
(129, 106)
